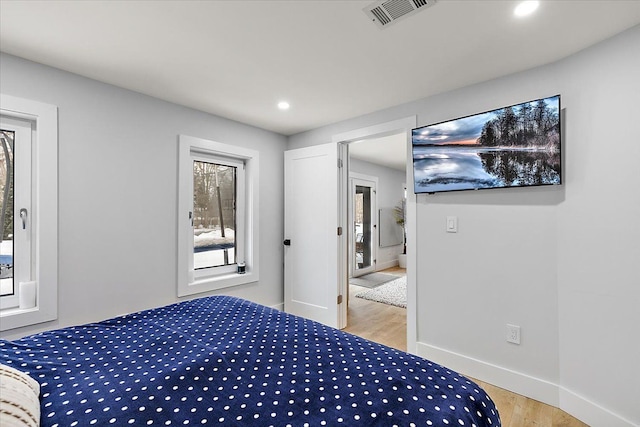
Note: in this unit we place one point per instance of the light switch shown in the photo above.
(452, 224)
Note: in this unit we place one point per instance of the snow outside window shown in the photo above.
(217, 222)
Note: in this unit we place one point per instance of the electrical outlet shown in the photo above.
(513, 334)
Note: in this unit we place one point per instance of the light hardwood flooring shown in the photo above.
(387, 325)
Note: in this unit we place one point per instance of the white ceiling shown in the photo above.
(389, 151)
(237, 59)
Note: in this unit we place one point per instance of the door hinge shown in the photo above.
(339, 231)
(339, 163)
(339, 299)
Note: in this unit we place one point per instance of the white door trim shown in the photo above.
(405, 124)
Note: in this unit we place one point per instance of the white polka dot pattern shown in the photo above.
(225, 361)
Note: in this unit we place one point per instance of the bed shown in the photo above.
(221, 360)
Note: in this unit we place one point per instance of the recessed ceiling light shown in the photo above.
(283, 105)
(526, 8)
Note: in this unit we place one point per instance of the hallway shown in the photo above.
(382, 323)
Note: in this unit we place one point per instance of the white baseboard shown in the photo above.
(526, 385)
(517, 382)
(278, 306)
(386, 264)
(589, 412)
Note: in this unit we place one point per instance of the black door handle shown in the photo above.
(287, 242)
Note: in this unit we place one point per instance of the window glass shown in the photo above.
(214, 214)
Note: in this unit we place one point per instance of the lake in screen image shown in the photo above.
(509, 147)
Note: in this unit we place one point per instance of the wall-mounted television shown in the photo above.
(514, 146)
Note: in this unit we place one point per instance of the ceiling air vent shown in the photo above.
(386, 12)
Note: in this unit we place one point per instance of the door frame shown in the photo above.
(356, 178)
(405, 124)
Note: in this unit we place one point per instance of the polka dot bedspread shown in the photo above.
(226, 361)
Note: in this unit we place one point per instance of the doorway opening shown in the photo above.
(377, 286)
(316, 278)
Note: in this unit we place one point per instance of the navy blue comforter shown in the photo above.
(226, 361)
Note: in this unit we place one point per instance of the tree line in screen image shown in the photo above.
(522, 168)
(532, 124)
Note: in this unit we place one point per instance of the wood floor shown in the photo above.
(387, 325)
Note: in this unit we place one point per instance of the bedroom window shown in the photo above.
(28, 212)
(7, 286)
(217, 222)
(215, 214)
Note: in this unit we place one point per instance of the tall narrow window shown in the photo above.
(214, 213)
(28, 212)
(16, 173)
(7, 287)
(217, 215)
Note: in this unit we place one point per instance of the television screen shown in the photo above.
(514, 146)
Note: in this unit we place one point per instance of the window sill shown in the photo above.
(207, 284)
(18, 317)
(14, 311)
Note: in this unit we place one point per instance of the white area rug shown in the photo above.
(392, 293)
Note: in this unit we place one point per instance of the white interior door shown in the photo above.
(364, 225)
(311, 250)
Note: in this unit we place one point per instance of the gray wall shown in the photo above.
(560, 262)
(598, 263)
(390, 193)
(118, 193)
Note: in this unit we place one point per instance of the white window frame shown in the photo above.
(192, 281)
(42, 219)
(239, 211)
(22, 196)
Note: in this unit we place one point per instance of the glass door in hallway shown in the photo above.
(364, 220)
